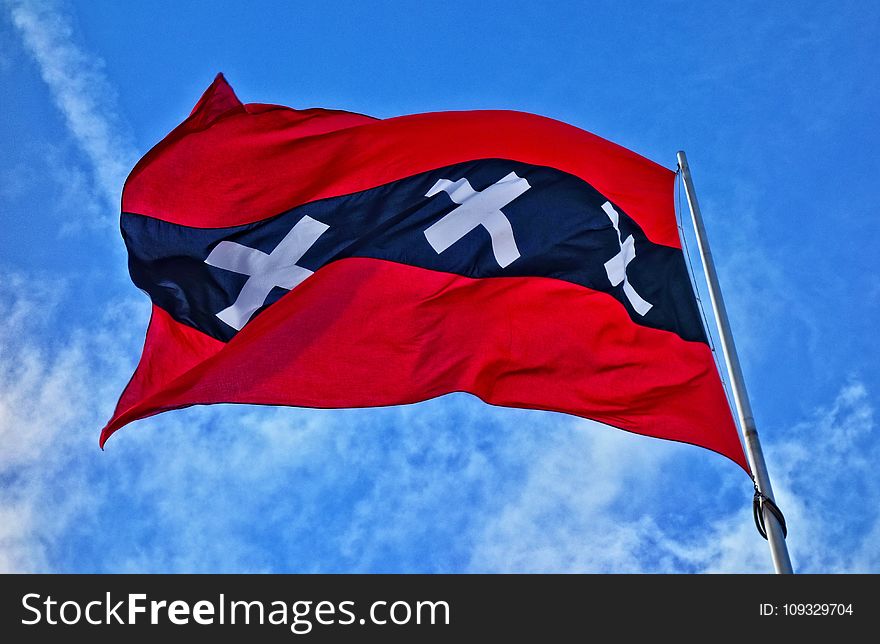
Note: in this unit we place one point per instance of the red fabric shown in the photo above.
(365, 332)
(256, 161)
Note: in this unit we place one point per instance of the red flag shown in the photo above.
(326, 259)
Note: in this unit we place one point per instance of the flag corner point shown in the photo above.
(217, 99)
(105, 434)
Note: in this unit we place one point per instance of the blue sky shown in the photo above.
(777, 111)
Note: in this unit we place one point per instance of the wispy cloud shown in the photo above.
(80, 89)
(826, 467)
(50, 392)
(570, 514)
(569, 518)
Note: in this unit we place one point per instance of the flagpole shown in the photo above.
(774, 530)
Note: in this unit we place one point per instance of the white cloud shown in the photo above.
(49, 388)
(568, 516)
(826, 467)
(80, 89)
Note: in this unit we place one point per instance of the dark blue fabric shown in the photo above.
(559, 226)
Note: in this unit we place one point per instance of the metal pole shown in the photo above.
(778, 548)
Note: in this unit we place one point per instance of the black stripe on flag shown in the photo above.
(562, 228)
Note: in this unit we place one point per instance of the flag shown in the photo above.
(326, 259)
